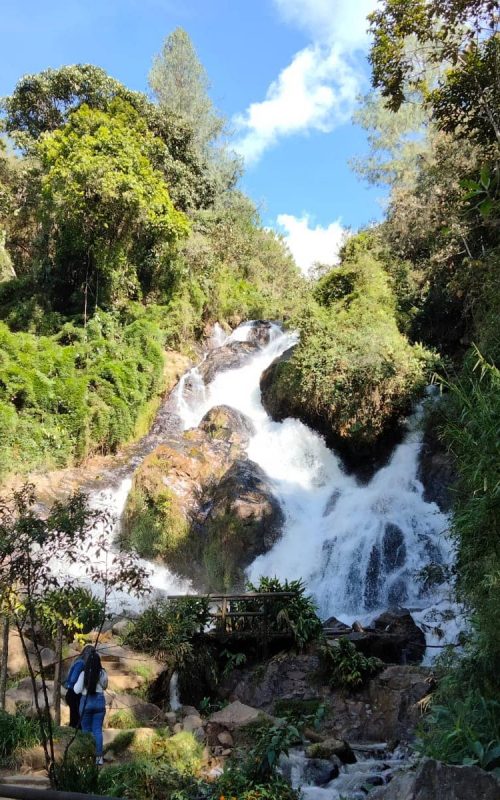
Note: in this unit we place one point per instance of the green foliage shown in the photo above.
(75, 606)
(180, 83)
(81, 391)
(123, 719)
(345, 667)
(166, 629)
(78, 772)
(143, 779)
(464, 98)
(182, 751)
(17, 733)
(463, 731)
(43, 102)
(471, 432)
(352, 370)
(295, 615)
(103, 203)
(272, 742)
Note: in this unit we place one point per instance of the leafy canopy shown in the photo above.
(102, 198)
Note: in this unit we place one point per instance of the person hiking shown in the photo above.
(92, 683)
(72, 698)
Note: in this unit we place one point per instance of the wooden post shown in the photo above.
(4, 660)
(265, 644)
(223, 613)
(57, 673)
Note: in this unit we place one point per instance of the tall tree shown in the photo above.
(463, 35)
(104, 205)
(180, 84)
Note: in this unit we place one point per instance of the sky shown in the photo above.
(285, 73)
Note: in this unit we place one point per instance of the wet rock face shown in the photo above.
(435, 781)
(245, 494)
(436, 471)
(230, 356)
(227, 424)
(385, 710)
(260, 332)
(393, 637)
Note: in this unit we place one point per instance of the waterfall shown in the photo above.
(174, 699)
(357, 547)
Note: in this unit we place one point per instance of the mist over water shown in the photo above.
(357, 547)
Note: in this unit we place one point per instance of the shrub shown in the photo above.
(143, 779)
(296, 614)
(463, 731)
(353, 373)
(123, 719)
(78, 772)
(65, 396)
(17, 732)
(344, 666)
(166, 628)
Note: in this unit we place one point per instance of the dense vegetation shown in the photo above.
(354, 373)
(122, 231)
(434, 127)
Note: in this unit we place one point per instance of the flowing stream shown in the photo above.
(358, 547)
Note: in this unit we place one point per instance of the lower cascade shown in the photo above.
(357, 547)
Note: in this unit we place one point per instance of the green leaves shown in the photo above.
(346, 667)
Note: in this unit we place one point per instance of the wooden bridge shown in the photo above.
(245, 617)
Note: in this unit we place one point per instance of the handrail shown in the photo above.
(246, 596)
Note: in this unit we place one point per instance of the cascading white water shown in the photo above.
(357, 547)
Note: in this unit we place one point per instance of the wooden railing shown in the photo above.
(231, 618)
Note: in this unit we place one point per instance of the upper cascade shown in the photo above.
(357, 547)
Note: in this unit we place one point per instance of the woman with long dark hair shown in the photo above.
(92, 683)
(72, 698)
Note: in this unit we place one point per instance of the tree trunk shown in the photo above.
(4, 660)
(57, 674)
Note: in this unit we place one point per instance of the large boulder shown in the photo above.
(244, 495)
(236, 715)
(435, 781)
(229, 356)
(278, 404)
(227, 424)
(260, 332)
(410, 639)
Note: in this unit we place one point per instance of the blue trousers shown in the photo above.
(92, 711)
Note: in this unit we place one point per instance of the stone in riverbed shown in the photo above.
(229, 356)
(331, 747)
(227, 424)
(435, 781)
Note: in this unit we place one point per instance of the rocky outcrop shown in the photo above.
(435, 781)
(282, 398)
(227, 424)
(278, 404)
(385, 710)
(436, 470)
(393, 637)
(198, 504)
(229, 356)
(245, 496)
(260, 332)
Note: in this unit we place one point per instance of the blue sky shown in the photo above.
(286, 73)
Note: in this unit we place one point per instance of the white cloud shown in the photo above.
(340, 21)
(309, 244)
(318, 89)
